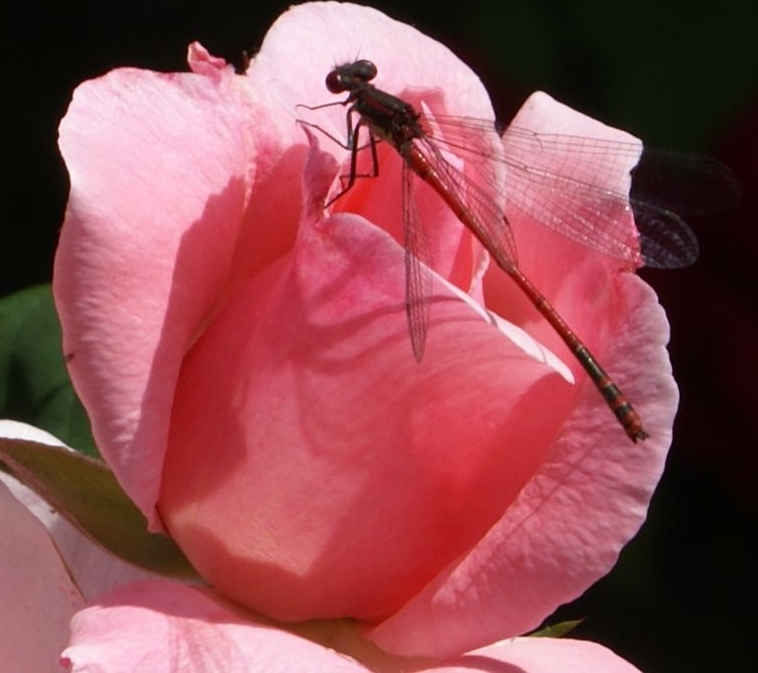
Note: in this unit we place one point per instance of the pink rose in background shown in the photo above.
(245, 362)
(39, 596)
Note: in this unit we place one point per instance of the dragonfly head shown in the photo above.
(350, 76)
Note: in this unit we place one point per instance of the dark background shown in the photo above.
(679, 75)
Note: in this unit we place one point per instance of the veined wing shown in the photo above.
(555, 179)
(418, 268)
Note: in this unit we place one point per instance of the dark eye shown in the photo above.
(364, 70)
(336, 82)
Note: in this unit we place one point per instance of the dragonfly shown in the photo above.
(568, 203)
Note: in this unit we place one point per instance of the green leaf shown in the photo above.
(85, 491)
(556, 630)
(34, 384)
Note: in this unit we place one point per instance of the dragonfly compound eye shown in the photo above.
(337, 82)
(364, 70)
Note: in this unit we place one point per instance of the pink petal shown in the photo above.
(160, 625)
(38, 596)
(566, 528)
(93, 569)
(163, 626)
(203, 62)
(162, 167)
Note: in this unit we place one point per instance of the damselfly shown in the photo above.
(574, 206)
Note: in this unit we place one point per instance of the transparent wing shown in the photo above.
(552, 178)
(669, 185)
(483, 214)
(418, 268)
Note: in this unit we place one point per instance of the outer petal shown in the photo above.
(38, 596)
(163, 626)
(162, 167)
(568, 525)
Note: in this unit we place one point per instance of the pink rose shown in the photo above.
(39, 596)
(245, 362)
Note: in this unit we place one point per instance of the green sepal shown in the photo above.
(556, 630)
(86, 492)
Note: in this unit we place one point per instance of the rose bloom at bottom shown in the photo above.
(244, 358)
